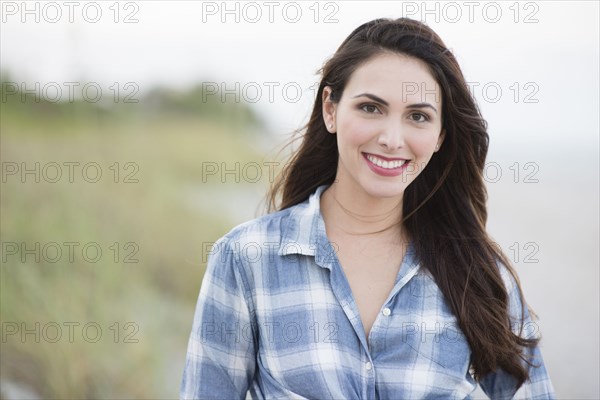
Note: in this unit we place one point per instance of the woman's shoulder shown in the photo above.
(259, 225)
(265, 229)
(290, 222)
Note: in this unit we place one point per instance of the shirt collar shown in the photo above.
(303, 232)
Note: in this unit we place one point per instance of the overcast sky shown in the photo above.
(546, 53)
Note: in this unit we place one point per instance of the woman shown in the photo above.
(376, 277)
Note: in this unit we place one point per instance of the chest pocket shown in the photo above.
(430, 329)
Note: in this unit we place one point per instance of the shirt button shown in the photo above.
(368, 366)
(387, 311)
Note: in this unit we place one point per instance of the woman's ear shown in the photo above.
(440, 140)
(329, 109)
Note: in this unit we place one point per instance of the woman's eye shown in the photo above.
(419, 117)
(369, 108)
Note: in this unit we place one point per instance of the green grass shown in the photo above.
(165, 217)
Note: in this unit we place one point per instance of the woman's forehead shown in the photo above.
(396, 78)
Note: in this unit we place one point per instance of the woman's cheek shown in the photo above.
(360, 132)
(422, 146)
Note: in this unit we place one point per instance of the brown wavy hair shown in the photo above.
(444, 208)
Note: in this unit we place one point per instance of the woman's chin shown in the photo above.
(385, 190)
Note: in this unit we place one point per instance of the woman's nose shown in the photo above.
(392, 138)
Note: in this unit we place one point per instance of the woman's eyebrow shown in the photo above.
(385, 103)
(373, 97)
(422, 105)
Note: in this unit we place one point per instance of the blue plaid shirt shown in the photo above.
(276, 317)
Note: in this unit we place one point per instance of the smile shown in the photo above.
(386, 166)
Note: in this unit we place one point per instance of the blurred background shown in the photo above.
(134, 134)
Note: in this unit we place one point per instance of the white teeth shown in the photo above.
(385, 164)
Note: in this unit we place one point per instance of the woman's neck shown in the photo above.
(350, 212)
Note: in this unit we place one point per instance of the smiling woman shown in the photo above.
(374, 276)
(378, 138)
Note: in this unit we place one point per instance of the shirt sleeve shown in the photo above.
(501, 385)
(221, 352)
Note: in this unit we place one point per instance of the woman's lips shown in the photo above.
(385, 166)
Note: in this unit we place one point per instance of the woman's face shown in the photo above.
(388, 124)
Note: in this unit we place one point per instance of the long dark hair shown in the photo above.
(444, 209)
